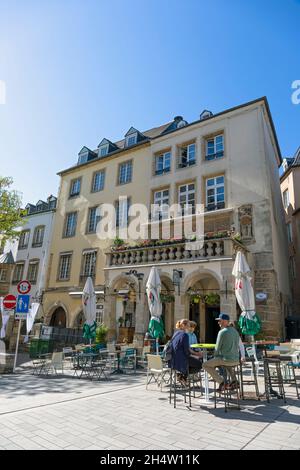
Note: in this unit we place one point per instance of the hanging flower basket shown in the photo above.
(212, 299)
(167, 298)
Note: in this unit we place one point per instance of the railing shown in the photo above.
(214, 248)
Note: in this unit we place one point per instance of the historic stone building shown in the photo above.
(229, 163)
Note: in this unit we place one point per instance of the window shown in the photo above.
(18, 272)
(187, 155)
(125, 172)
(286, 199)
(160, 209)
(215, 193)
(103, 150)
(33, 271)
(24, 239)
(215, 147)
(3, 275)
(131, 140)
(163, 163)
(52, 204)
(122, 210)
(93, 219)
(38, 236)
(70, 224)
(64, 266)
(289, 232)
(75, 187)
(98, 181)
(186, 198)
(88, 264)
(39, 207)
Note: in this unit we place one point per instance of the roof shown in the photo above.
(7, 258)
(159, 131)
(292, 163)
(296, 161)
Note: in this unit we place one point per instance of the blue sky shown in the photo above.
(78, 71)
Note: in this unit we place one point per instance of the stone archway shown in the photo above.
(121, 307)
(58, 318)
(198, 285)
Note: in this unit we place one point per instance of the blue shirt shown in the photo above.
(180, 352)
(192, 338)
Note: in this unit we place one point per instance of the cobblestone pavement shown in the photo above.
(67, 413)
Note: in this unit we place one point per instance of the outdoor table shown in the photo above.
(205, 347)
(84, 361)
(118, 370)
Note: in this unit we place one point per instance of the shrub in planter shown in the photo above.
(212, 298)
(101, 334)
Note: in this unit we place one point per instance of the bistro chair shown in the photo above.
(273, 377)
(128, 361)
(56, 362)
(229, 395)
(156, 371)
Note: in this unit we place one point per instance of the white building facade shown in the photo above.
(33, 248)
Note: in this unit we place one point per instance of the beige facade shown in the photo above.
(290, 188)
(234, 176)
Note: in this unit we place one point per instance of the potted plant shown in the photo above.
(120, 321)
(101, 334)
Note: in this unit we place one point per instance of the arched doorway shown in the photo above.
(58, 318)
(204, 306)
(124, 307)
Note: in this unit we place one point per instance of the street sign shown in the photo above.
(24, 287)
(22, 304)
(9, 302)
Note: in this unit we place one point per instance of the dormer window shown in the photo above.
(83, 158)
(103, 150)
(131, 140)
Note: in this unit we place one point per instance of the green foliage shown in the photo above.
(167, 298)
(10, 211)
(212, 299)
(101, 333)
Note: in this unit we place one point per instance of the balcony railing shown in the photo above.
(215, 248)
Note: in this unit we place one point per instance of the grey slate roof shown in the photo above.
(296, 161)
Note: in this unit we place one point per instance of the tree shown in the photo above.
(10, 211)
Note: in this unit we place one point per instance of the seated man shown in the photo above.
(226, 352)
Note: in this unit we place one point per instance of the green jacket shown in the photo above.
(227, 346)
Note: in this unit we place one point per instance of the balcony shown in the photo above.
(172, 252)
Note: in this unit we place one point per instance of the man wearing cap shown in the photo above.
(226, 352)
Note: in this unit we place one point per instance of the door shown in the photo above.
(212, 327)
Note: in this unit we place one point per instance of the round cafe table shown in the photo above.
(205, 347)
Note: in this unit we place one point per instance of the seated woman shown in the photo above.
(183, 359)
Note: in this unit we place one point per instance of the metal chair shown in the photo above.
(228, 393)
(128, 361)
(273, 378)
(243, 375)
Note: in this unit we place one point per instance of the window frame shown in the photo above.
(129, 164)
(33, 262)
(72, 182)
(88, 231)
(23, 247)
(129, 137)
(214, 155)
(18, 263)
(68, 254)
(164, 169)
(286, 199)
(160, 212)
(188, 162)
(66, 224)
(186, 184)
(215, 186)
(93, 190)
(40, 243)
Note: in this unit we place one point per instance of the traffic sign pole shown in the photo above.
(17, 346)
